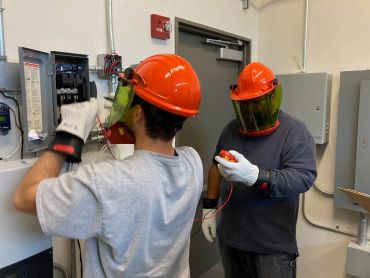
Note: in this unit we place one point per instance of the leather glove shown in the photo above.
(78, 119)
(209, 224)
(241, 171)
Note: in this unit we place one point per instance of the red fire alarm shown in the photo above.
(160, 27)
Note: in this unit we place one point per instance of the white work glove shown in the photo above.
(79, 118)
(241, 171)
(209, 224)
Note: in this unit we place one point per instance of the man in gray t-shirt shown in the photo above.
(135, 214)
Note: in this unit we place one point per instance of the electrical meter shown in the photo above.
(49, 81)
(4, 119)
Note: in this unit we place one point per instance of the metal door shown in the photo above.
(203, 131)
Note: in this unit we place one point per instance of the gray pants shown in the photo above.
(238, 263)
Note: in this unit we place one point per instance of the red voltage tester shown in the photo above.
(227, 155)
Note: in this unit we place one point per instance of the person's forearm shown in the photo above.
(214, 179)
(47, 166)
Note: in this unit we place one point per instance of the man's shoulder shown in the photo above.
(294, 129)
(188, 152)
(292, 122)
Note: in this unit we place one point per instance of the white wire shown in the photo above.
(101, 153)
(14, 151)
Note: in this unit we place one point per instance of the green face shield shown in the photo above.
(257, 115)
(122, 102)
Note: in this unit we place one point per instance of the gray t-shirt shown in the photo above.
(135, 214)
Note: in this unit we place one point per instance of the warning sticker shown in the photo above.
(33, 96)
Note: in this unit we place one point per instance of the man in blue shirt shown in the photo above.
(275, 162)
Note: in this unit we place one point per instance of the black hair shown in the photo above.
(159, 123)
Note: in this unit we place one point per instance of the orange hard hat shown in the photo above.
(169, 82)
(254, 81)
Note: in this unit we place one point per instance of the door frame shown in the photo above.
(203, 30)
(200, 245)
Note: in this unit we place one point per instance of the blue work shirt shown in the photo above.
(264, 221)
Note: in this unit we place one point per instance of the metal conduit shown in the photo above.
(112, 49)
(305, 39)
(304, 213)
(2, 41)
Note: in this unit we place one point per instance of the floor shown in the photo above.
(216, 271)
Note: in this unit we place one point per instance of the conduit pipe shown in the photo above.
(112, 49)
(110, 26)
(262, 3)
(328, 228)
(305, 38)
(2, 41)
(362, 230)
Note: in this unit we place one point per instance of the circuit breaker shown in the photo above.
(49, 81)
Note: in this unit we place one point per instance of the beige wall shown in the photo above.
(338, 39)
(80, 25)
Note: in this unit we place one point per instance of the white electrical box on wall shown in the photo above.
(307, 97)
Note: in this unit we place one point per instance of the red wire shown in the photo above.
(220, 208)
(105, 135)
(111, 67)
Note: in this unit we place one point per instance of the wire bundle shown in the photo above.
(112, 64)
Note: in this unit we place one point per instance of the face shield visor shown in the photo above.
(122, 102)
(117, 131)
(256, 117)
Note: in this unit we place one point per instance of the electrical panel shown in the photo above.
(307, 96)
(71, 79)
(352, 147)
(357, 264)
(49, 81)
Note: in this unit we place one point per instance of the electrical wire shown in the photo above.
(213, 215)
(324, 227)
(200, 227)
(101, 153)
(218, 209)
(81, 265)
(3, 90)
(322, 191)
(106, 136)
(61, 269)
(7, 156)
(112, 64)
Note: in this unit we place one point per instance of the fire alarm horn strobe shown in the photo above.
(160, 27)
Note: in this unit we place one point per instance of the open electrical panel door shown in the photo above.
(37, 102)
(49, 81)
